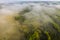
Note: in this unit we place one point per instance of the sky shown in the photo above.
(4, 1)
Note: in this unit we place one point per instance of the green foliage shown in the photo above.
(49, 38)
(26, 10)
(21, 19)
(17, 17)
(34, 36)
(32, 32)
(56, 26)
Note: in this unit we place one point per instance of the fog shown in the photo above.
(9, 27)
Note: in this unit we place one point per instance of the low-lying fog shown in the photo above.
(39, 13)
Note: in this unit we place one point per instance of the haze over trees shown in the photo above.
(29, 22)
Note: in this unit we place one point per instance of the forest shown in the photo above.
(29, 22)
